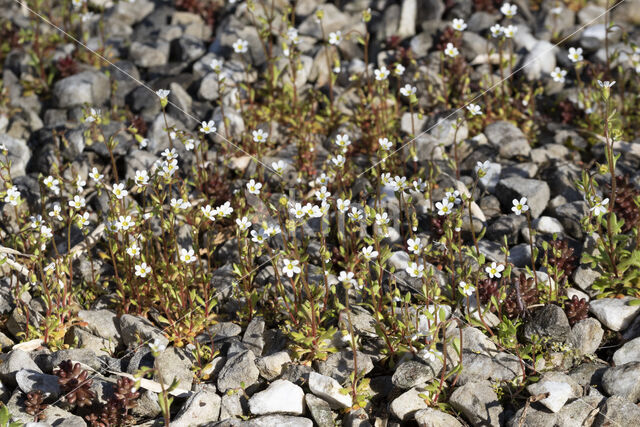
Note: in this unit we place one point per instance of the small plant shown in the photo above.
(75, 383)
(116, 412)
(576, 309)
(35, 405)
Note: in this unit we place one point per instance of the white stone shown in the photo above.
(407, 404)
(281, 397)
(330, 390)
(614, 313)
(559, 393)
(629, 352)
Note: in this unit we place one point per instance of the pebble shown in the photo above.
(330, 390)
(614, 313)
(281, 396)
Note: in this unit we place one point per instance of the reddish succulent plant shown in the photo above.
(75, 383)
(576, 309)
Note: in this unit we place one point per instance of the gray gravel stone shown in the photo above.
(433, 418)
(560, 387)
(478, 403)
(254, 335)
(413, 373)
(548, 322)
(586, 335)
(103, 323)
(18, 152)
(536, 192)
(201, 408)
(239, 371)
(329, 389)
(14, 361)
(29, 380)
(616, 314)
(623, 380)
(616, 411)
(279, 420)
(135, 329)
(509, 139)
(340, 365)
(408, 403)
(281, 396)
(174, 363)
(90, 87)
(320, 411)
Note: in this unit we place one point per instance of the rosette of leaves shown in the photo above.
(576, 309)
(625, 206)
(522, 294)
(116, 411)
(34, 405)
(75, 383)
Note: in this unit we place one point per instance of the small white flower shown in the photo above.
(419, 185)
(187, 255)
(509, 10)
(55, 212)
(291, 267)
(606, 84)
(382, 219)
(343, 205)
(322, 194)
(335, 38)
(399, 70)
(142, 177)
(385, 144)
(133, 250)
(510, 31)
(415, 270)
(482, 168)
(343, 141)
(144, 142)
(382, 73)
(453, 197)
(240, 46)
(190, 144)
(224, 210)
(474, 109)
(169, 154)
(496, 30)
(243, 223)
(78, 202)
(254, 187)
(408, 90)
(119, 191)
(323, 179)
(142, 270)
(208, 212)
(95, 175)
(156, 346)
(338, 161)
(260, 135)
(494, 270)
(575, 55)
(520, 206)
(444, 207)
(451, 50)
(467, 289)
(208, 127)
(415, 246)
(558, 75)
(599, 207)
(46, 232)
(258, 237)
(216, 65)
(347, 277)
(163, 94)
(458, 24)
(279, 166)
(355, 214)
(52, 184)
(124, 223)
(368, 253)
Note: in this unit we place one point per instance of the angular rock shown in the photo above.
(510, 140)
(616, 411)
(279, 420)
(560, 387)
(281, 396)
(549, 322)
(330, 390)
(254, 335)
(201, 408)
(340, 365)
(536, 192)
(89, 87)
(408, 403)
(271, 366)
(29, 380)
(616, 314)
(623, 380)
(239, 371)
(629, 352)
(135, 330)
(586, 335)
(478, 403)
(412, 373)
(13, 362)
(18, 153)
(433, 418)
(320, 411)
(174, 364)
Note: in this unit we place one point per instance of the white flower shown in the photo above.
(419, 185)
(142, 270)
(510, 31)
(187, 255)
(444, 207)
(399, 183)
(258, 237)
(520, 206)
(606, 84)
(482, 168)
(124, 222)
(430, 355)
(163, 93)
(451, 50)
(346, 277)
(408, 90)
(599, 207)
(13, 196)
(260, 135)
(335, 38)
(46, 232)
(399, 70)
(343, 141)
(36, 221)
(355, 214)
(382, 73)
(52, 184)
(133, 250)
(323, 179)
(322, 194)
(142, 177)
(243, 223)
(291, 267)
(216, 65)
(509, 10)
(78, 202)
(415, 270)
(271, 230)
(254, 187)
(55, 212)
(466, 289)
(208, 127)
(338, 161)
(240, 46)
(368, 253)
(144, 142)
(474, 109)
(279, 166)
(458, 24)
(190, 144)
(77, 3)
(558, 75)
(95, 175)
(225, 210)
(343, 205)
(494, 270)
(156, 346)
(297, 210)
(415, 246)
(292, 35)
(208, 212)
(453, 197)
(496, 30)
(119, 191)
(385, 144)
(382, 219)
(575, 55)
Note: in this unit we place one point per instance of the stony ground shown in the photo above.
(562, 348)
